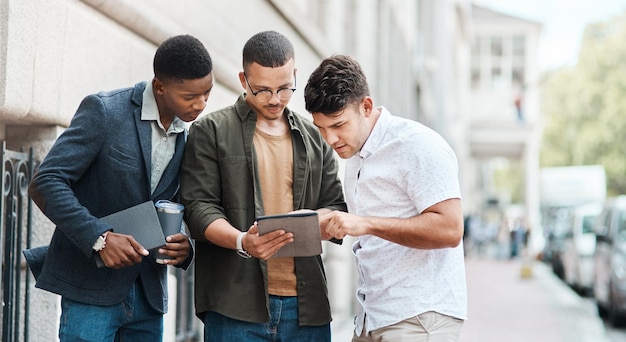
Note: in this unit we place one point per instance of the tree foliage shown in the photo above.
(584, 106)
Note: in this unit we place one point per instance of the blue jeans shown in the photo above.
(282, 327)
(132, 320)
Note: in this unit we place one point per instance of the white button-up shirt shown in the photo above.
(403, 168)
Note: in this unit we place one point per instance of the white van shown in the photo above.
(579, 247)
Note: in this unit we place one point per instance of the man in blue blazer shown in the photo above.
(122, 148)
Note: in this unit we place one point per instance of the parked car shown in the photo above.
(556, 225)
(609, 289)
(579, 247)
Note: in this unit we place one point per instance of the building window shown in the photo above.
(498, 62)
(475, 76)
(517, 77)
(497, 79)
(518, 61)
(519, 48)
(479, 51)
(476, 53)
(496, 47)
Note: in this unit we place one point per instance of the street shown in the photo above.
(507, 305)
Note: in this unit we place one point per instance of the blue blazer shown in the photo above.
(99, 165)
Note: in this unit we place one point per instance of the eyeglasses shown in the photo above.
(266, 94)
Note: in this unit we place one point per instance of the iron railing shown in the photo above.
(15, 236)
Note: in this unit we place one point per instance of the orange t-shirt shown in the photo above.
(275, 163)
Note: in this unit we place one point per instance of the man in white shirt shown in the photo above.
(403, 196)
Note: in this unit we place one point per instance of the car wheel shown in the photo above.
(587, 291)
(602, 312)
(557, 268)
(615, 317)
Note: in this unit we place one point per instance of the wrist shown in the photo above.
(100, 242)
(240, 240)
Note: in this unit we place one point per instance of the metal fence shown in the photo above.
(15, 235)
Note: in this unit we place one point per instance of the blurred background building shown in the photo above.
(503, 121)
(466, 71)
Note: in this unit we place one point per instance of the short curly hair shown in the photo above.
(337, 82)
(180, 58)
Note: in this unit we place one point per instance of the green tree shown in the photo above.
(584, 106)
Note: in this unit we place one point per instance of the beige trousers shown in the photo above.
(427, 327)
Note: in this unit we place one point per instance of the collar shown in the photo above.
(377, 134)
(150, 111)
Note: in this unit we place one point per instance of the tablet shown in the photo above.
(307, 240)
(140, 221)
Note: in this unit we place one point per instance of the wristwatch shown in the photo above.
(242, 252)
(100, 243)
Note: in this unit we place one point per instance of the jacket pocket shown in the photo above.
(125, 158)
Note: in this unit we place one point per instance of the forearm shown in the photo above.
(426, 231)
(222, 233)
(439, 226)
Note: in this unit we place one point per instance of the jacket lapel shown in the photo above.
(170, 174)
(144, 131)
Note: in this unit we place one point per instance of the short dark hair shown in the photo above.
(336, 83)
(269, 49)
(182, 58)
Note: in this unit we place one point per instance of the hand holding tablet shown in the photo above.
(305, 228)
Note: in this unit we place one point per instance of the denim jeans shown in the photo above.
(132, 320)
(282, 327)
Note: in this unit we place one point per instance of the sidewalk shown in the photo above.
(504, 306)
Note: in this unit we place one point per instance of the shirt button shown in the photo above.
(164, 138)
(158, 168)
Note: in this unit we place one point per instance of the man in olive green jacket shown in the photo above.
(228, 178)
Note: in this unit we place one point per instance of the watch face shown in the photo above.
(99, 244)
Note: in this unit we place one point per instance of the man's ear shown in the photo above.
(158, 87)
(242, 80)
(368, 106)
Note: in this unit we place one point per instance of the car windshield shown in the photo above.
(561, 222)
(588, 222)
(621, 227)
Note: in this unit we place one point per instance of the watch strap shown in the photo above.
(101, 242)
(240, 240)
(242, 253)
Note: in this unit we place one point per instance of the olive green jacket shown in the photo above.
(219, 180)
